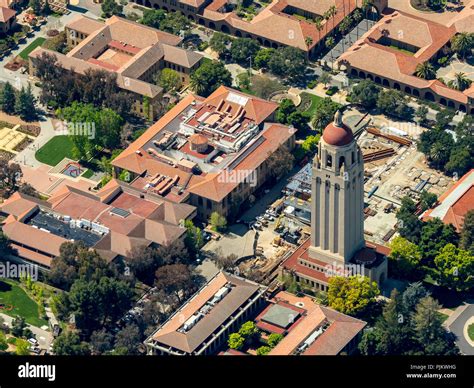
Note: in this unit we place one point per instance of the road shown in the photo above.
(457, 323)
(44, 337)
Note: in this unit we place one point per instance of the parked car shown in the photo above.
(33, 341)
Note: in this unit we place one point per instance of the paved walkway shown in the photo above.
(27, 156)
(44, 337)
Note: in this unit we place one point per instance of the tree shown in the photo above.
(412, 296)
(194, 240)
(25, 105)
(5, 247)
(176, 280)
(111, 8)
(96, 304)
(466, 241)
(434, 236)
(128, 339)
(325, 111)
(286, 108)
(236, 341)
(242, 49)
(10, 177)
(91, 128)
(421, 113)
(8, 99)
(76, 260)
(169, 80)
(409, 226)
(263, 350)
(429, 332)
(461, 159)
(262, 58)
(219, 42)
(393, 327)
(143, 262)
(153, 17)
(280, 163)
(412, 328)
(298, 119)
(22, 347)
(393, 103)
(175, 23)
(174, 253)
(427, 200)
(3, 342)
(35, 6)
(455, 268)
(351, 295)
(365, 93)
(462, 43)
(69, 344)
(405, 258)
(288, 62)
(101, 341)
(209, 76)
(218, 222)
(273, 339)
(436, 144)
(226, 263)
(18, 326)
(249, 331)
(264, 86)
(310, 144)
(460, 82)
(425, 70)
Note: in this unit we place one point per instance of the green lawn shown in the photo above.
(55, 150)
(443, 316)
(36, 43)
(402, 50)
(308, 103)
(12, 294)
(88, 174)
(470, 331)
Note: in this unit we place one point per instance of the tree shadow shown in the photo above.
(5, 287)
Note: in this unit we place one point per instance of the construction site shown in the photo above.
(394, 168)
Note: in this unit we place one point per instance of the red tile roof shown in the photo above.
(455, 203)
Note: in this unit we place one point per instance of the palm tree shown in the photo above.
(333, 12)
(330, 43)
(327, 16)
(460, 82)
(357, 16)
(344, 27)
(462, 43)
(319, 27)
(308, 40)
(425, 70)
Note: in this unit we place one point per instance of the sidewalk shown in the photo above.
(44, 337)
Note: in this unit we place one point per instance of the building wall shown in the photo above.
(427, 94)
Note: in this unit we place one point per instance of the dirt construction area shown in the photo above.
(402, 172)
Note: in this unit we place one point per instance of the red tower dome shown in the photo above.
(337, 133)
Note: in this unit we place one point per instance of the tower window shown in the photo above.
(353, 157)
(329, 161)
(341, 161)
